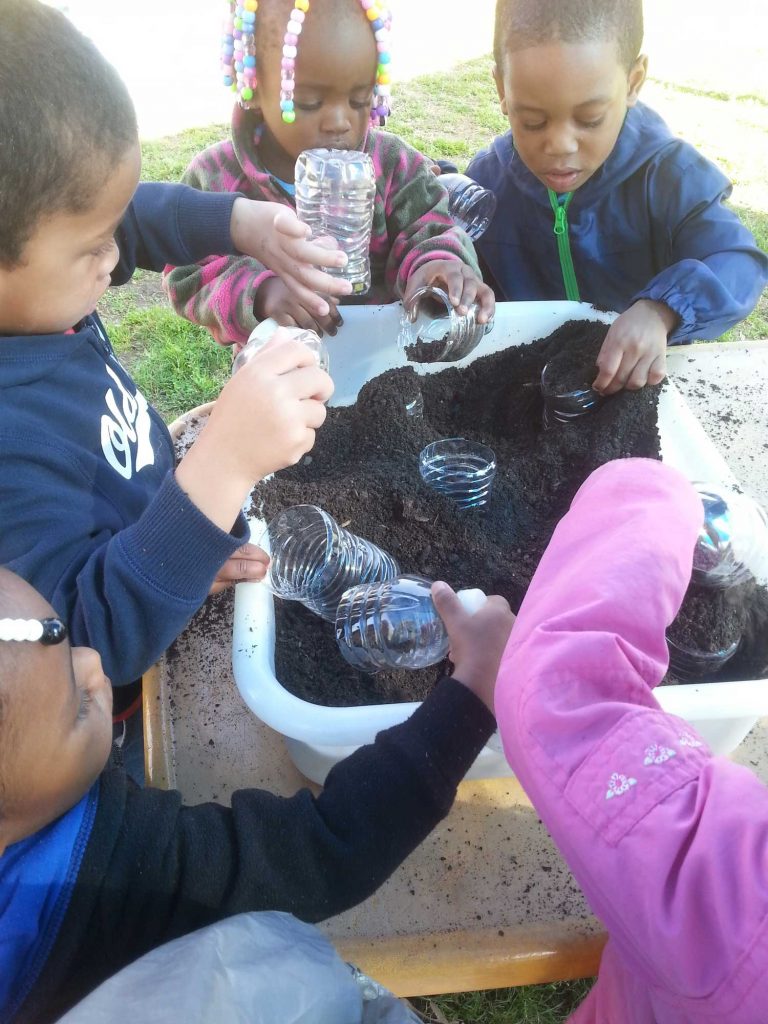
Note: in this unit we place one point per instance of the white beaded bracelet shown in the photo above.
(47, 631)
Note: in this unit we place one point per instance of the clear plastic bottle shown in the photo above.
(265, 331)
(394, 624)
(314, 560)
(433, 331)
(335, 190)
(732, 545)
(471, 206)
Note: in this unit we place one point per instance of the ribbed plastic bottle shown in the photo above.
(394, 624)
(471, 206)
(265, 331)
(335, 191)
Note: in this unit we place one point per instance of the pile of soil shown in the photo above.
(574, 366)
(364, 471)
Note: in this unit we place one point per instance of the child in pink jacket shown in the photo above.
(669, 843)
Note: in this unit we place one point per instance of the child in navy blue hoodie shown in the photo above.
(597, 200)
(95, 871)
(92, 512)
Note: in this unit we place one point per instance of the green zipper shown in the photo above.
(560, 211)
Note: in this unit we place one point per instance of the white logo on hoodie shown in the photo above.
(128, 425)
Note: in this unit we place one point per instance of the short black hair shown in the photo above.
(522, 23)
(60, 132)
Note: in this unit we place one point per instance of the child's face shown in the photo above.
(566, 103)
(66, 265)
(335, 74)
(58, 722)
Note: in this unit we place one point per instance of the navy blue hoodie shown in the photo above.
(90, 511)
(651, 223)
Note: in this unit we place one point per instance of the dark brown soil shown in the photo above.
(573, 366)
(364, 471)
(714, 619)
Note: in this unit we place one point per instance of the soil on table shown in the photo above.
(364, 471)
(573, 366)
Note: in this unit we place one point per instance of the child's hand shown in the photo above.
(477, 641)
(248, 563)
(274, 235)
(275, 299)
(461, 283)
(264, 419)
(634, 352)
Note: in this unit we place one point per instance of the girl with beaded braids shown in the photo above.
(315, 74)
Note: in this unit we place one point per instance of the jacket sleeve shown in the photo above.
(419, 225)
(667, 841)
(155, 870)
(128, 590)
(218, 291)
(171, 223)
(715, 271)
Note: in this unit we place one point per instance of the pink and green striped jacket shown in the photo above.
(411, 225)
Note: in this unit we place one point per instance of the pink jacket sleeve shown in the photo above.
(669, 843)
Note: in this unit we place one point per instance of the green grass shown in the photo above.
(452, 115)
(175, 363)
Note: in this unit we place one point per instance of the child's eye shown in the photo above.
(535, 127)
(592, 124)
(307, 107)
(85, 704)
(361, 104)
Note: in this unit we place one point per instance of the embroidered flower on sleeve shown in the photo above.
(618, 785)
(657, 754)
(688, 740)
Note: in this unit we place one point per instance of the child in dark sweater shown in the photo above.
(92, 511)
(597, 199)
(95, 871)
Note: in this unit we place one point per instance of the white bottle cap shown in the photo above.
(472, 600)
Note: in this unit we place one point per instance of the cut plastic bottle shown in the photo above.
(471, 206)
(395, 625)
(314, 560)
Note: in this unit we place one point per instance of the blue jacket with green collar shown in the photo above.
(651, 223)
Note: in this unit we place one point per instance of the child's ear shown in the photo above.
(498, 78)
(637, 75)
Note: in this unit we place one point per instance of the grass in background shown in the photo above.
(448, 115)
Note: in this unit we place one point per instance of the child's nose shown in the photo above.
(561, 140)
(336, 122)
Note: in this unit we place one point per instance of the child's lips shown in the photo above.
(561, 180)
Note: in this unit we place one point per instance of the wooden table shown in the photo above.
(486, 901)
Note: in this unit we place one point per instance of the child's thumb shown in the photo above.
(447, 604)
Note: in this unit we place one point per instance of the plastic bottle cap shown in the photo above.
(472, 600)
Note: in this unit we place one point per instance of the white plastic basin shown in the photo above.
(317, 737)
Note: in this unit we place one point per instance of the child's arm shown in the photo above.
(128, 587)
(712, 279)
(422, 240)
(177, 224)
(667, 842)
(154, 870)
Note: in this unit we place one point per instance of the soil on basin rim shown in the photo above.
(364, 471)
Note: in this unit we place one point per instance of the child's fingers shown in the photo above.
(658, 370)
(608, 363)
(470, 284)
(447, 604)
(281, 354)
(486, 302)
(310, 382)
(638, 376)
(287, 223)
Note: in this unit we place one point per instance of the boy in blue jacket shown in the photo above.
(92, 510)
(95, 872)
(597, 200)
